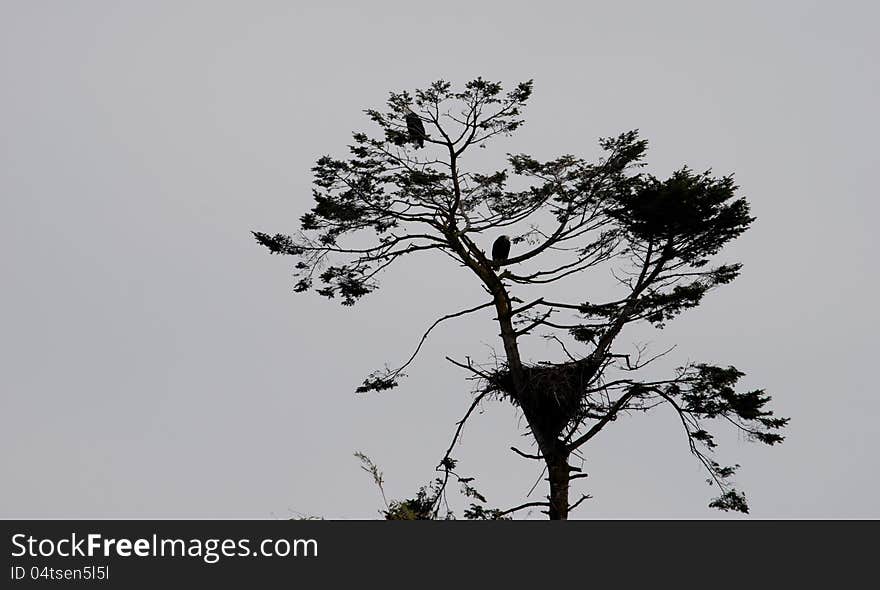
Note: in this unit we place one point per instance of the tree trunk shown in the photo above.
(559, 475)
(557, 460)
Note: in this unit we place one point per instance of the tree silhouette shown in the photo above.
(408, 192)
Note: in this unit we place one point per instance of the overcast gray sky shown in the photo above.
(155, 362)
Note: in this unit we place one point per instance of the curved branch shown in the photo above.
(526, 455)
(460, 426)
(523, 506)
(434, 325)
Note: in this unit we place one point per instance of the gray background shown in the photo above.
(155, 362)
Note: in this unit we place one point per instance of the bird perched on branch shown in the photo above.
(416, 128)
(500, 250)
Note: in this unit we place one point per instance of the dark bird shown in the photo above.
(500, 250)
(416, 128)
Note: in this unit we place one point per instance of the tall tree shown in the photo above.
(566, 216)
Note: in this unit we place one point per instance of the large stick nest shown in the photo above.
(556, 395)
